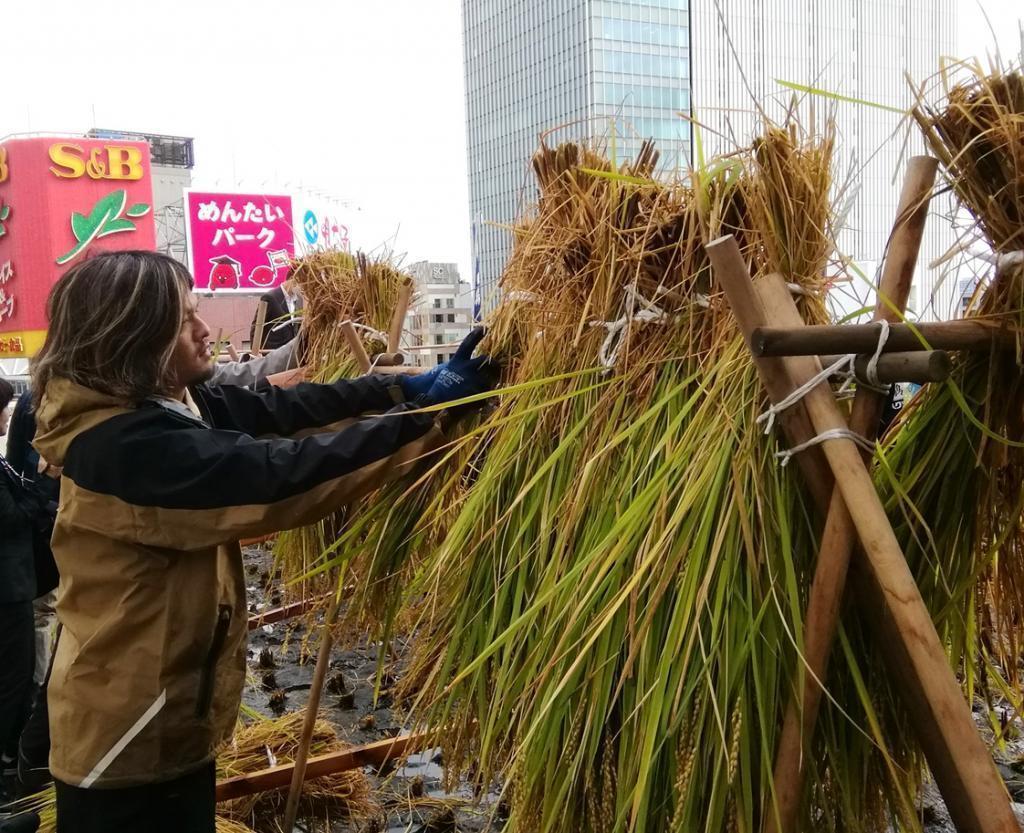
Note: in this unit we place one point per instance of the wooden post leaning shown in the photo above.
(839, 535)
(257, 332)
(398, 318)
(355, 344)
(323, 662)
(974, 794)
(274, 778)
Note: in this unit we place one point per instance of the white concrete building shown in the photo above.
(442, 314)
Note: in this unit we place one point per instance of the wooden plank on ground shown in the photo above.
(278, 777)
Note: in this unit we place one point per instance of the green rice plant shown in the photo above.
(336, 287)
(613, 616)
(953, 472)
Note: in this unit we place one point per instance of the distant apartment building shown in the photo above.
(633, 69)
(442, 314)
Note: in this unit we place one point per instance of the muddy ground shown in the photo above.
(348, 704)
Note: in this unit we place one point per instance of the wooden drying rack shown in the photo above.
(856, 531)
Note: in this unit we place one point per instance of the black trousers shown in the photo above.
(34, 745)
(184, 805)
(17, 662)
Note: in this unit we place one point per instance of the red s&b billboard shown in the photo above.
(238, 242)
(60, 200)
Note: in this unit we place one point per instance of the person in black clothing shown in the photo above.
(280, 326)
(17, 589)
(34, 743)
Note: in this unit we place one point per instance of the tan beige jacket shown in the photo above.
(150, 665)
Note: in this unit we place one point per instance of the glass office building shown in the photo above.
(564, 69)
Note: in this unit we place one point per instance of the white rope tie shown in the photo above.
(844, 365)
(377, 334)
(1001, 261)
(872, 368)
(608, 353)
(1009, 259)
(794, 396)
(832, 434)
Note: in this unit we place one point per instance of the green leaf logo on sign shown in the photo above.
(104, 219)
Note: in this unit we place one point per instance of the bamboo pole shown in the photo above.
(922, 368)
(356, 346)
(398, 318)
(963, 769)
(388, 360)
(372, 754)
(280, 614)
(839, 535)
(323, 661)
(795, 421)
(815, 339)
(257, 334)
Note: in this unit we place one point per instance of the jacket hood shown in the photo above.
(67, 410)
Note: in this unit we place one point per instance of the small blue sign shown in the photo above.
(310, 227)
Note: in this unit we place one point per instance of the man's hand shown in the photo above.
(42, 467)
(416, 385)
(464, 375)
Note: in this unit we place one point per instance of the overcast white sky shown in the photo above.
(361, 100)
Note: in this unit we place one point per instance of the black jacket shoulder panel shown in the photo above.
(152, 457)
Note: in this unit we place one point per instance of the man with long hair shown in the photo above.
(160, 473)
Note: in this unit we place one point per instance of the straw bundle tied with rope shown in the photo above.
(953, 472)
(615, 604)
(337, 287)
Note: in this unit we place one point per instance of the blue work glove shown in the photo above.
(464, 375)
(416, 386)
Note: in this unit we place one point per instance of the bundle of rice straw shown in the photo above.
(336, 287)
(954, 469)
(614, 606)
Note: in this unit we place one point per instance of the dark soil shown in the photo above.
(282, 658)
(281, 663)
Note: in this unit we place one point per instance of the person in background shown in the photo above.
(247, 374)
(34, 742)
(17, 589)
(25, 460)
(280, 325)
(162, 474)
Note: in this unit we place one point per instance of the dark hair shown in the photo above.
(6, 393)
(113, 322)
